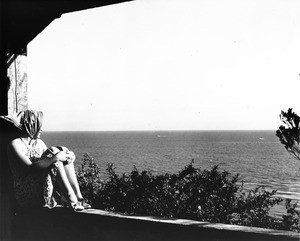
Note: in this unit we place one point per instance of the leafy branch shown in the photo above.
(289, 132)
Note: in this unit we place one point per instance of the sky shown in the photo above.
(168, 65)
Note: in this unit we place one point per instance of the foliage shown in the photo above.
(253, 208)
(291, 219)
(192, 193)
(88, 175)
(289, 132)
(289, 136)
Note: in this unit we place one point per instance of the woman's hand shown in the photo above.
(65, 156)
(61, 156)
(70, 157)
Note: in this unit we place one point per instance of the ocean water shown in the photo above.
(257, 156)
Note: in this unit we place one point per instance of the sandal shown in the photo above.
(77, 207)
(84, 204)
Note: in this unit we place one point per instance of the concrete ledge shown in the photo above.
(202, 225)
(61, 224)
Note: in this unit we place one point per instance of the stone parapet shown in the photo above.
(61, 224)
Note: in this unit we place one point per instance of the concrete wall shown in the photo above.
(18, 93)
(61, 224)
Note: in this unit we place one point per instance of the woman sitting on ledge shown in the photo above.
(41, 180)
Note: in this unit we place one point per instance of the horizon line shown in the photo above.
(157, 130)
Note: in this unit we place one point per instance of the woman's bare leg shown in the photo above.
(65, 185)
(71, 175)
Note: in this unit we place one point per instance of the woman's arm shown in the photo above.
(43, 163)
(19, 150)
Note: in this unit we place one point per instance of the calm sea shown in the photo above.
(258, 156)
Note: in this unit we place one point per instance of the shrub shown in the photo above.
(88, 175)
(291, 219)
(253, 209)
(192, 193)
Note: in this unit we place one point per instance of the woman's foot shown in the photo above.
(84, 203)
(77, 207)
(72, 204)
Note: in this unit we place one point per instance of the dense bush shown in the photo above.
(192, 193)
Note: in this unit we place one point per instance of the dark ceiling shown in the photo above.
(23, 20)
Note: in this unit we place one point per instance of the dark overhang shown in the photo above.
(23, 20)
